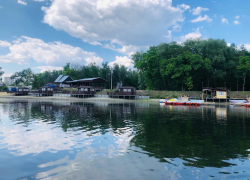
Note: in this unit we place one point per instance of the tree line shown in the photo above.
(194, 64)
(122, 74)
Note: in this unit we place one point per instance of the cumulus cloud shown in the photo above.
(247, 46)
(48, 68)
(54, 53)
(228, 44)
(4, 44)
(237, 17)
(200, 19)
(122, 60)
(129, 22)
(193, 35)
(236, 22)
(198, 10)
(224, 20)
(21, 2)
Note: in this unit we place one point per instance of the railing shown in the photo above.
(117, 93)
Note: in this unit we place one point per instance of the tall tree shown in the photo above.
(244, 68)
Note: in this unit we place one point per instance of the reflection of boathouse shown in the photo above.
(215, 94)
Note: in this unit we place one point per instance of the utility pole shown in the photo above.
(111, 71)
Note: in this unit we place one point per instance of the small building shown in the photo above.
(22, 91)
(84, 91)
(219, 93)
(126, 92)
(46, 91)
(88, 90)
(97, 82)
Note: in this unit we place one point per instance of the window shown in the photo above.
(19, 89)
(92, 89)
(129, 90)
(43, 89)
(82, 89)
(221, 93)
(86, 89)
(125, 90)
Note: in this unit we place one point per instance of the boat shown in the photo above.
(241, 101)
(171, 101)
(246, 104)
(194, 102)
(162, 101)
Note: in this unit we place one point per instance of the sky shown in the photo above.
(47, 34)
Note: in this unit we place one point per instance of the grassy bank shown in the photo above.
(174, 94)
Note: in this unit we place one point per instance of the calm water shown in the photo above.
(123, 141)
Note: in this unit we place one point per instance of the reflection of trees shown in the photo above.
(206, 141)
(194, 134)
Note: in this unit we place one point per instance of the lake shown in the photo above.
(78, 140)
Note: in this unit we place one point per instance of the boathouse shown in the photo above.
(215, 94)
(97, 82)
(84, 91)
(46, 91)
(125, 92)
(21, 91)
(61, 81)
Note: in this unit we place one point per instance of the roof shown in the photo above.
(86, 87)
(62, 78)
(46, 87)
(86, 79)
(126, 87)
(59, 77)
(23, 88)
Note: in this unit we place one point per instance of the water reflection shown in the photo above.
(65, 140)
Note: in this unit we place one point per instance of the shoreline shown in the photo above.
(72, 99)
(5, 98)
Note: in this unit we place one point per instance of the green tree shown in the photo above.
(244, 68)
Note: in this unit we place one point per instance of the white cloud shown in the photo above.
(6, 75)
(192, 35)
(198, 10)
(4, 44)
(228, 44)
(247, 46)
(122, 60)
(224, 20)
(21, 2)
(47, 68)
(237, 17)
(121, 20)
(236, 22)
(200, 18)
(53, 53)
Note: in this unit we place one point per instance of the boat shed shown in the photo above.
(97, 82)
(218, 93)
(61, 81)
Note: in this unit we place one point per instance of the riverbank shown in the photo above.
(71, 99)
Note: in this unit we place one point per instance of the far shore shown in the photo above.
(72, 99)
(6, 98)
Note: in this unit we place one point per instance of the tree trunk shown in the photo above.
(244, 80)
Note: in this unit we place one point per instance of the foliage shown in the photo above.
(24, 77)
(76, 71)
(244, 67)
(191, 65)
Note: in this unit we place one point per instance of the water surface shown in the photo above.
(64, 140)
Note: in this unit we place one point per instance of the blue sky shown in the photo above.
(46, 34)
